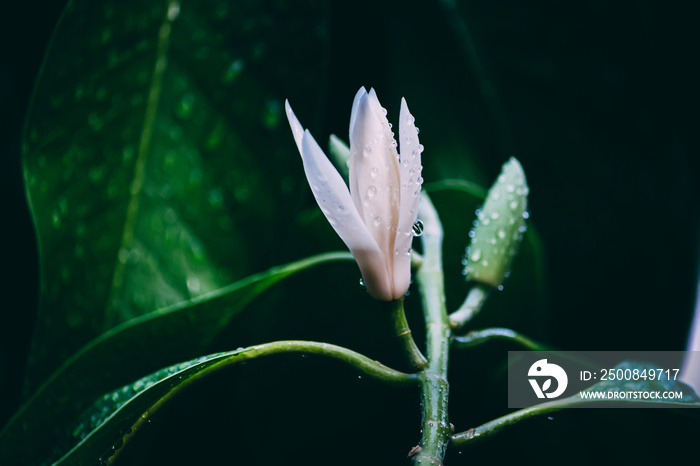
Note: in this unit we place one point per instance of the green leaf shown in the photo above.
(132, 349)
(155, 147)
(117, 416)
(690, 400)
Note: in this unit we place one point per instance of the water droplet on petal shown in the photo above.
(374, 172)
(371, 191)
(417, 228)
(377, 221)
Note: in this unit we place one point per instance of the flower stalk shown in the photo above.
(414, 357)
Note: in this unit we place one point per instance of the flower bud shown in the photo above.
(499, 227)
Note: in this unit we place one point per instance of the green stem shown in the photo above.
(491, 428)
(365, 365)
(416, 360)
(433, 379)
(472, 305)
(478, 337)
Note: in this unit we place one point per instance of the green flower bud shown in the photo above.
(499, 227)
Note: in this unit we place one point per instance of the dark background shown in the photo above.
(596, 99)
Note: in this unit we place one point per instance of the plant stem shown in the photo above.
(433, 379)
(472, 305)
(416, 360)
(487, 430)
(365, 365)
(478, 337)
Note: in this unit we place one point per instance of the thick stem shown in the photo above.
(433, 379)
(414, 357)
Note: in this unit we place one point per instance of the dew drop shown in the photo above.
(500, 287)
(495, 215)
(368, 150)
(501, 234)
(526, 215)
(510, 188)
(377, 221)
(514, 205)
(362, 282)
(417, 228)
(371, 191)
(374, 172)
(476, 255)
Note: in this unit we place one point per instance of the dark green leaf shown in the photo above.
(115, 417)
(690, 400)
(130, 350)
(155, 148)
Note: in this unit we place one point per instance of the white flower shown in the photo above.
(375, 216)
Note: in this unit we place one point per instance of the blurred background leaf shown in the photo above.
(140, 112)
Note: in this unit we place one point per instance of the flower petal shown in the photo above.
(410, 172)
(355, 103)
(374, 174)
(334, 199)
(297, 129)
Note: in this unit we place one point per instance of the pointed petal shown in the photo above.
(355, 103)
(335, 202)
(410, 172)
(374, 174)
(297, 129)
